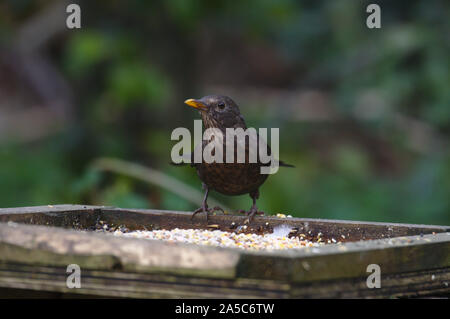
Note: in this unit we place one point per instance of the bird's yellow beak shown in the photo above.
(196, 104)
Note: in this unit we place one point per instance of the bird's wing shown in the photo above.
(190, 156)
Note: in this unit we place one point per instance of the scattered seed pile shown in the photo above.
(275, 241)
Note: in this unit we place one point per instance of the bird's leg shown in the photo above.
(253, 210)
(204, 208)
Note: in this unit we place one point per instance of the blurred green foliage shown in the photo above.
(134, 62)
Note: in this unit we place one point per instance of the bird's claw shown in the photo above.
(251, 214)
(241, 211)
(206, 210)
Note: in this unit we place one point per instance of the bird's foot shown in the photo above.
(206, 210)
(251, 214)
(241, 211)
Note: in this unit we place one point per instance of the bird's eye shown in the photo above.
(221, 105)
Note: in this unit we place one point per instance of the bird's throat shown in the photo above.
(210, 122)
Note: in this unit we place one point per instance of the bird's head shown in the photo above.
(218, 111)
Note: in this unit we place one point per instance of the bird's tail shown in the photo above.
(283, 164)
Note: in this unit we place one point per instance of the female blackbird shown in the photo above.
(221, 112)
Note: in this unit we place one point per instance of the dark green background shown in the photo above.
(363, 114)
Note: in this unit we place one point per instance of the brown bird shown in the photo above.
(221, 112)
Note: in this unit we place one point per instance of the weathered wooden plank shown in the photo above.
(409, 284)
(350, 260)
(138, 285)
(120, 284)
(330, 229)
(79, 217)
(48, 209)
(68, 216)
(53, 246)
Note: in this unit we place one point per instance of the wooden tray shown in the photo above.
(414, 259)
